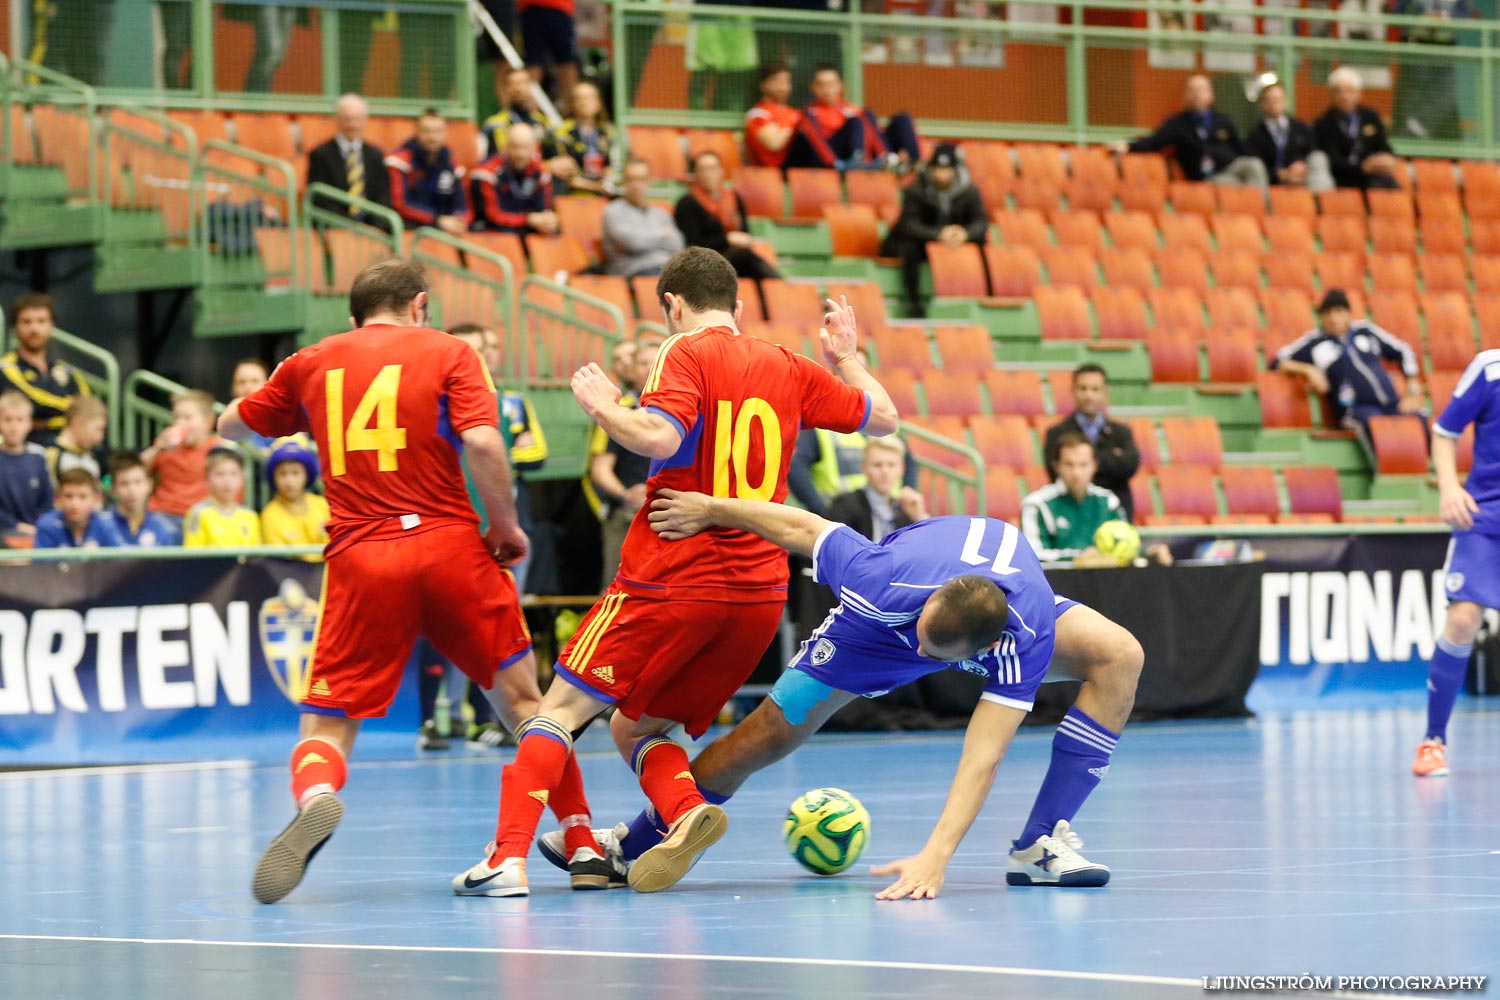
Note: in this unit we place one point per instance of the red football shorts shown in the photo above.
(380, 595)
(678, 660)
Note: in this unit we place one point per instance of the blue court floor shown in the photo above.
(1286, 845)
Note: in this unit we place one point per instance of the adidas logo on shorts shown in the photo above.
(605, 674)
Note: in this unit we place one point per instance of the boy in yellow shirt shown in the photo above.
(220, 521)
(293, 516)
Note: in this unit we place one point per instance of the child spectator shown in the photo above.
(249, 375)
(25, 487)
(294, 516)
(178, 458)
(132, 488)
(78, 522)
(220, 521)
(79, 445)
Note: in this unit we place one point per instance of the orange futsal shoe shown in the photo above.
(1432, 760)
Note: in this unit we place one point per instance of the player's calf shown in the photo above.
(318, 772)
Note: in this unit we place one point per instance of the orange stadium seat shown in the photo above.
(780, 334)
(901, 386)
(875, 188)
(1444, 272)
(1060, 384)
(1340, 270)
(1015, 393)
(206, 125)
(1071, 266)
(1142, 499)
(1144, 170)
(852, 230)
(1481, 198)
(1397, 313)
(904, 348)
(314, 130)
(1131, 229)
(1283, 400)
(1289, 234)
(957, 270)
(1451, 352)
(952, 394)
(964, 348)
(661, 148)
(1126, 267)
(506, 245)
(762, 190)
(1078, 229)
(1486, 270)
(1237, 200)
(1143, 198)
(1023, 228)
(1041, 161)
(1003, 491)
(551, 254)
(270, 134)
(1291, 270)
(864, 297)
(1443, 235)
(1391, 204)
(1393, 235)
(811, 189)
(985, 158)
(582, 217)
(794, 302)
(1484, 235)
(1093, 181)
(719, 141)
(1193, 441)
(1064, 313)
(1231, 357)
(1231, 308)
(1435, 177)
(1186, 231)
(750, 296)
(1187, 490)
(1174, 357)
(1289, 201)
(1250, 489)
(1191, 198)
(1393, 272)
(1120, 312)
(1177, 309)
(1181, 268)
(1143, 430)
(464, 142)
(1342, 233)
(1440, 207)
(1235, 269)
(1341, 201)
(1238, 232)
(1014, 269)
(612, 289)
(1288, 311)
(1400, 446)
(1487, 313)
(1037, 193)
(1448, 313)
(1004, 441)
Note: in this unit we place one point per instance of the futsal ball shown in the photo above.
(826, 830)
(1119, 541)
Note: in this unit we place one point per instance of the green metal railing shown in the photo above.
(348, 243)
(470, 284)
(147, 164)
(64, 112)
(146, 407)
(561, 329)
(1079, 78)
(95, 366)
(957, 468)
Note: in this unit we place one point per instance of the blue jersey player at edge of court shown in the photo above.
(948, 592)
(1472, 569)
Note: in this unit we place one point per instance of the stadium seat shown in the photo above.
(1231, 357)
(1393, 235)
(1400, 446)
(1448, 313)
(206, 125)
(1291, 270)
(1290, 201)
(1235, 269)
(1481, 191)
(1071, 267)
(762, 189)
(1078, 229)
(313, 130)
(1288, 311)
(989, 159)
(794, 302)
(952, 394)
(1174, 357)
(1341, 201)
(750, 297)
(901, 386)
(1120, 313)
(1486, 270)
(1014, 269)
(1238, 232)
(1041, 161)
(1289, 234)
(1188, 231)
(1391, 204)
(1064, 313)
(1250, 489)
(877, 189)
(1487, 314)
(612, 289)
(1144, 170)
(811, 189)
(1191, 198)
(1023, 228)
(1484, 236)
(270, 134)
(582, 217)
(506, 245)
(957, 270)
(1036, 193)
(1126, 267)
(780, 334)
(1094, 180)
(349, 251)
(388, 132)
(1397, 313)
(1193, 441)
(1143, 198)
(1393, 272)
(551, 254)
(864, 297)
(1440, 387)
(1283, 400)
(1143, 431)
(964, 349)
(643, 288)
(1342, 234)
(1440, 207)
(1180, 268)
(1004, 441)
(662, 149)
(1187, 490)
(1450, 351)
(1443, 236)
(464, 142)
(1304, 519)
(1313, 489)
(852, 230)
(1231, 309)
(1177, 309)
(1015, 393)
(1434, 177)
(994, 191)
(904, 348)
(1060, 384)
(1235, 199)
(1143, 501)
(1341, 270)
(1003, 492)
(1131, 229)
(1443, 272)
(714, 140)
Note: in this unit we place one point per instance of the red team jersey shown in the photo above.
(766, 112)
(740, 403)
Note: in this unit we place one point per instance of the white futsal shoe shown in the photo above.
(1054, 860)
(553, 847)
(493, 876)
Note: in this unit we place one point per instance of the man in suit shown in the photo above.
(1285, 145)
(882, 505)
(1203, 139)
(1353, 136)
(1114, 445)
(349, 163)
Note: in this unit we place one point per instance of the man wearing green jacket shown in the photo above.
(1059, 520)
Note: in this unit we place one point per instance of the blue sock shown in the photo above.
(1080, 756)
(1446, 675)
(646, 830)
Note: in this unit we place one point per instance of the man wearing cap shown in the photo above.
(294, 516)
(1344, 359)
(941, 207)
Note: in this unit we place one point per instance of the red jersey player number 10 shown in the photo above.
(378, 404)
(732, 447)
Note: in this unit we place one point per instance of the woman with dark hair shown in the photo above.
(588, 139)
(712, 215)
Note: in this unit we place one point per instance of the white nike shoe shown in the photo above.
(493, 877)
(553, 846)
(1054, 860)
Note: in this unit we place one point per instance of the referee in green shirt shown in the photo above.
(1060, 519)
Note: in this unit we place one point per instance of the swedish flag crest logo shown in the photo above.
(288, 630)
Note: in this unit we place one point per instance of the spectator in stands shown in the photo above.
(79, 445)
(513, 193)
(517, 107)
(772, 125)
(622, 371)
(941, 207)
(826, 464)
(619, 476)
(1344, 359)
(79, 521)
(220, 520)
(638, 236)
(1286, 146)
(249, 375)
(1203, 139)
(426, 188)
(33, 371)
(294, 516)
(1114, 446)
(349, 163)
(1353, 137)
(137, 525)
(882, 504)
(25, 487)
(845, 136)
(549, 41)
(1059, 520)
(712, 215)
(587, 139)
(179, 456)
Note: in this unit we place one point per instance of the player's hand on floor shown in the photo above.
(675, 515)
(839, 334)
(917, 877)
(508, 545)
(1457, 508)
(593, 390)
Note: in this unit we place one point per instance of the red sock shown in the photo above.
(666, 777)
(318, 766)
(526, 785)
(572, 808)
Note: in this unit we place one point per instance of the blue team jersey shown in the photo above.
(52, 533)
(1476, 400)
(156, 531)
(868, 645)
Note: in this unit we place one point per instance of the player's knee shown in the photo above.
(1463, 623)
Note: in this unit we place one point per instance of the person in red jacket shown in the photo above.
(771, 125)
(426, 188)
(842, 135)
(513, 192)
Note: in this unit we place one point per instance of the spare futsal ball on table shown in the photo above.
(826, 830)
(1118, 540)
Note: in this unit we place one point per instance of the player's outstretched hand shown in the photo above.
(675, 516)
(1457, 508)
(917, 877)
(839, 334)
(508, 545)
(593, 390)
